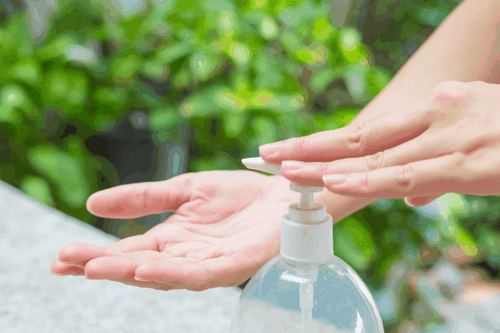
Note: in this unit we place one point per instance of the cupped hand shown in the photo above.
(226, 225)
(448, 143)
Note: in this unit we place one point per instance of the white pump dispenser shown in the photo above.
(306, 280)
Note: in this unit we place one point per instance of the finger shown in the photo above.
(122, 269)
(310, 174)
(79, 254)
(380, 133)
(420, 201)
(60, 269)
(117, 267)
(136, 200)
(423, 178)
(193, 274)
(134, 243)
(110, 268)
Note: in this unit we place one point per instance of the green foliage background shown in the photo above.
(240, 74)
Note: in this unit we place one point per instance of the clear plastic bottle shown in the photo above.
(305, 288)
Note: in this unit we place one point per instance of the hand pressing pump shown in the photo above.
(305, 288)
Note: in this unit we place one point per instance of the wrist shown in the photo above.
(339, 206)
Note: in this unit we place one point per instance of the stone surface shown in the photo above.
(33, 300)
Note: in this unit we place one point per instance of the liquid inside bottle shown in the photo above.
(291, 297)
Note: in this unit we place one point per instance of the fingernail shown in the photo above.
(140, 279)
(334, 179)
(293, 165)
(55, 274)
(270, 148)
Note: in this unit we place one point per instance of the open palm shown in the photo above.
(226, 225)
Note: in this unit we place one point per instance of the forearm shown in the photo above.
(465, 47)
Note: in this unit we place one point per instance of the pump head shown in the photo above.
(306, 192)
(306, 231)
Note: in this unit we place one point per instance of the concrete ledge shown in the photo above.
(33, 300)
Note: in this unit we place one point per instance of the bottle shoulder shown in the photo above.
(334, 272)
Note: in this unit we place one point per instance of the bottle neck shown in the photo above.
(306, 265)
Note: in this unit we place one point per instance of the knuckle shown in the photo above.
(451, 91)
(460, 159)
(465, 169)
(324, 168)
(301, 144)
(357, 138)
(143, 198)
(375, 161)
(404, 177)
(479, 84)
(364, 184)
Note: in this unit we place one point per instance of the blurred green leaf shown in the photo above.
(64, 171)
(489, 239)
(356, 80)
(454, 205)
(269, 72)
(147, 96)
(66, 88)
(183, 77)
(350, 45)
(234, 123)
(279, 102)
(26, 70)
(37, 188)
(322, 79)
(268, 28)
(162, 122)
(378, 79)
(203, 103)
(173, 52)
(164, 118)
(222, 161)
(124, 68)
(312, 56)
(115, 98)
(432, 16)
(322, 29)
(265, 129)
(131, 27)
(9, 115)
(202, 65)
(466, 242)
(291, 42)
(114, 32)
(57, 47)
(343, 117)
(156, 70)
(233, 102)
(12, 97)
(303, 12)
(239, 53)
(353, 243)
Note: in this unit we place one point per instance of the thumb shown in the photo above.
(140, 199)
(420, 201)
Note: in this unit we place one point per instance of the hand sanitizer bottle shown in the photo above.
(305, 288)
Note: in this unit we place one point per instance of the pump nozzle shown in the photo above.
(306, 192)
(257, 163)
